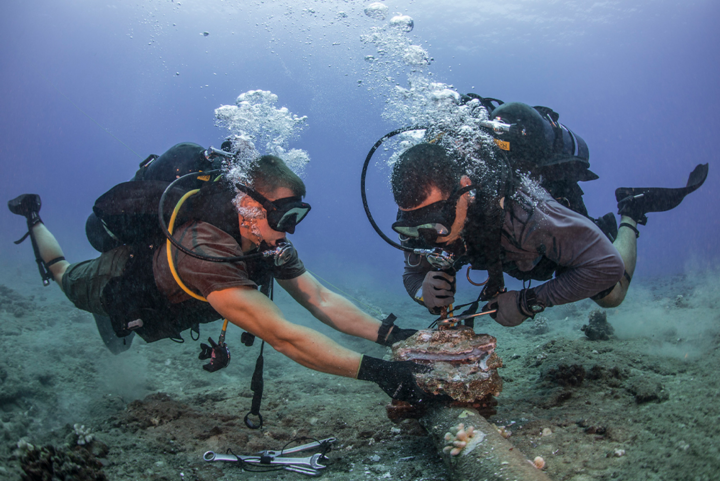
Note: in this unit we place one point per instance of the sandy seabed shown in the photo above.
(642, 405)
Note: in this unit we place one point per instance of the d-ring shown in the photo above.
(475, 283)
(249, 422)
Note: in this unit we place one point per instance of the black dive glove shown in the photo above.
(218, 354)
(438, 290)
(396, 334)
(514, 307)
(396, 378)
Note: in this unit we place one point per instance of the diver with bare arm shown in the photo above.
(218, 262)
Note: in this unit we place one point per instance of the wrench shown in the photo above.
(295, 449)
(310, 461)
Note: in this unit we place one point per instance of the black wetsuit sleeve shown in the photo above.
(588, 262)
(414, 274)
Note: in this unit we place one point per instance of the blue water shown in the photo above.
(91, 88)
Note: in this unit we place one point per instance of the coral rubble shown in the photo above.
(463, 364)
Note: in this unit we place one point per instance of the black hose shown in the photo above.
(362, 185)
(163, 227)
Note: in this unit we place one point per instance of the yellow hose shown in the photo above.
(171, 226)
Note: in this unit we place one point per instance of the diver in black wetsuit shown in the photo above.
(507, 227)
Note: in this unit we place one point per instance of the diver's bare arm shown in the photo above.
(255, 313)
(330, 308)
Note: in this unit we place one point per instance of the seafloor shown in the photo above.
(642, 405)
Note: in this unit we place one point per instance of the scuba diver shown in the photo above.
(452, 214)
(225, 240)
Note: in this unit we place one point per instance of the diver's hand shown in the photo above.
(438, 290)
(508, 312)
(218, 354)
(396, 378)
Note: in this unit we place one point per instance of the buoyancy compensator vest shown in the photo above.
(128, 215)
(133, 301)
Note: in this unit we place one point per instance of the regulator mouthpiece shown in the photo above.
(437, 258)
(282, 253)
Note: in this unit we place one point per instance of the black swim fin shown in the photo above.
(28, 206)
(636, 202)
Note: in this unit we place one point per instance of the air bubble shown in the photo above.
(416, 56)
(376, 11)
(402, 22)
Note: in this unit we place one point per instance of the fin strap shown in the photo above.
(22, 239)
(54, 261)
(631, 227)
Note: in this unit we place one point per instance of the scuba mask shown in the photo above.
(282, 214)
(432, 221)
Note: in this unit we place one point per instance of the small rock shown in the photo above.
(646, 390)
(539, 325)
(681, 302)
(598, 329)
(565, 375)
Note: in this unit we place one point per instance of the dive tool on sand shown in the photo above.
(269, 460)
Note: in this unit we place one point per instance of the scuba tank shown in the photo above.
(127, 213)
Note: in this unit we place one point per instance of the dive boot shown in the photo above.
(28, 206)
(636, 202)
(608, 225)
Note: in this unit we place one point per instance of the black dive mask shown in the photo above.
(282, 214)
(432, 221)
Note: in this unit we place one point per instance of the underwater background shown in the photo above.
(637, 80)
(91, 88)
